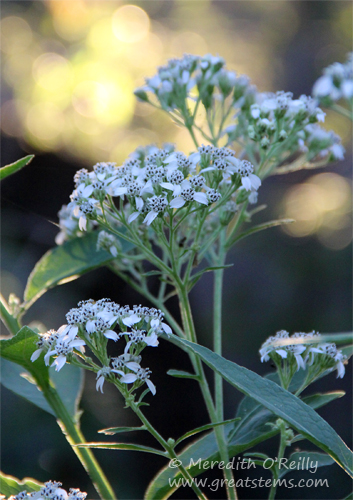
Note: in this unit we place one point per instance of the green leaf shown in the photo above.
(195, 277)
(349, 497)
(10, 485)
(21, 376)
(15, 167)
(122, 446)
(203, 428)
(281, 402)
(64, 263)
(117, 430)
(304, 460)
(322, 399)
(256, 229)
(347, 351)
(182, 374)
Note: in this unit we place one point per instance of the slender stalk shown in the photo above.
(342, 111)
(189, 329)
(169, 449)
(67, 424)
(276, 469)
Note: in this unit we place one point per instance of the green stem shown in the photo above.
(169, 449)
(74, 436)
(9, 321)
(342, 111)
(280, 455)
(69, 428)
(189, 329)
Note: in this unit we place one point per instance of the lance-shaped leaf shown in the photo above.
(203, 428)
(15, 167)
(117, 430)
(28, 379)
(182, 374)
(65, 263)
(10, 485)
(251, 430)
(256, 229)
(123, 446)
(281, 402)
(304, 460)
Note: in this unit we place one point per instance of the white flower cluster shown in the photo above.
(336, 82)
(109, 243)
(156, 182)
(324, 355)
(174, 81)
(94, 322)
(51, 491)
(320, 142)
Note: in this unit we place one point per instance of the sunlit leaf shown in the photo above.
(10, 485)
(15, 167)
(123, 446)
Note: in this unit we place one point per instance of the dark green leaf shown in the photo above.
(21, 376)
(347, 351)
(123, 446)
(15, 167)
(281, 402)
(10, 485)
(304, 460)
(64, 263)
(203, 428)
(322, 399)
(181, 374)
(349, 497)
(117, 430)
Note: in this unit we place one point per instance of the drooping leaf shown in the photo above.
(123, 446)
(203, 428)
(10, 485)
(12, 168)
(281, 402)
(117, 430)
(304, 460)
(322, 399)
(65, 263)
(21, 376)
(181, 374)
(349, 497)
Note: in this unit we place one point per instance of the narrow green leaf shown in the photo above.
(117, 430)
(17, 372)
(304, 460)
(347, 351)
(349, 497)
(322, 399)
(64, 263)
(122, 446)
(252, 429)
(281, 402)
(256, 229)
(15, 167)
(181, 374)
(10, 485)
(203, 428)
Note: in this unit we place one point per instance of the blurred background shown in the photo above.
(69, 69)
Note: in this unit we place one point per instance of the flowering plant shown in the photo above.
(176, 216)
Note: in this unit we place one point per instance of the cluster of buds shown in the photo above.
(336, 83)
(92, 324)
(316, 355)
(51, 491)
(175, 82)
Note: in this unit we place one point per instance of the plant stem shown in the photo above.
(67, 424)
(169, 449)
(74, 436)
(276, 470)
(189, 329)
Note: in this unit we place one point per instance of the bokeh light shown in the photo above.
(321, 206)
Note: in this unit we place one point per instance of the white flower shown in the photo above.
(63, 347)
(101, 376)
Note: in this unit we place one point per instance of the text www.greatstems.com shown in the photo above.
(247, 483)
